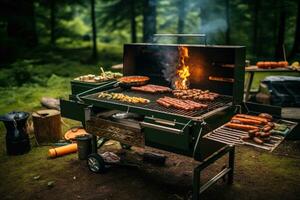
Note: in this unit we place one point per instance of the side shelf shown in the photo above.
(73, 110)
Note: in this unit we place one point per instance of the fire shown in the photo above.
(183, 70)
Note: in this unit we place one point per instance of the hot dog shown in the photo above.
(248, 121)
(241, 126)
(267, 128)
(263, 120)
(257, 140)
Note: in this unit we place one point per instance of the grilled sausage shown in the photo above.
(263, 120)
(163, 103)
(266, 116)
(245, 137)
(257, 140)
(271, 124)
(241, 126)
(265, 134)
(252, 133)
(267, 128)
(248, 121)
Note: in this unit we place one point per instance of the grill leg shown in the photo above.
(94, 144)
(231, 165)
(196, 183)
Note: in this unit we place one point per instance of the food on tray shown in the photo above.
(187, 105)
(266, 115)
(259, 127)
(195, 94)
(152, 88)
(261, 119)
(122, 97)
(240, 120)
(133, 79)
(104, 76)
(270, 65)
(243, 127)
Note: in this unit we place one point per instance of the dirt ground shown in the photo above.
(258, 175)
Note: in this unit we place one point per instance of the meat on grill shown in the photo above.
(195, 94)
(152, 88)
(187, 105)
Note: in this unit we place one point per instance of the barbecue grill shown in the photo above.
(197, 134)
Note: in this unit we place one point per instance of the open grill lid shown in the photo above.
(216, 68)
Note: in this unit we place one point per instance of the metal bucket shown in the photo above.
(84, 146)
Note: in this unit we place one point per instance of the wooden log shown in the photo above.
(47, 126)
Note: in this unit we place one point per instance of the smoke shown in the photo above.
(202, 16)
(170, 63)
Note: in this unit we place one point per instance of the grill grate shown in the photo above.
(212, 105)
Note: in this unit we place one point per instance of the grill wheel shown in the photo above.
(96, 163)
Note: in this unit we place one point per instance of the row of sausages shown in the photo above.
(186, 105)
(258, 127)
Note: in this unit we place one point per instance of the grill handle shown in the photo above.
(161, 128)
(183, 36)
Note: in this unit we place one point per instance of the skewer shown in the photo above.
(103, 72)
(284, 53)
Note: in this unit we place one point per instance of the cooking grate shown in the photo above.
(212, 105)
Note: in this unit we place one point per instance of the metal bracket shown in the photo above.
(201, 35)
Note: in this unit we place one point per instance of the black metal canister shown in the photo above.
(17, 140)
(84, 146)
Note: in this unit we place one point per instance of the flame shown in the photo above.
(183, 70)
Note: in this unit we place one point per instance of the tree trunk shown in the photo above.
(133, 22)
(21, 26)
(149, 21)
(93, 18)
(52, 21)
(296, 46)
(255, 26)
(181, 19)
(280, 35)
(227, 34)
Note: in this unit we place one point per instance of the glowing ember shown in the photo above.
(183, 71)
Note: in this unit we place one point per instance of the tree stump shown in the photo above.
(47, 126)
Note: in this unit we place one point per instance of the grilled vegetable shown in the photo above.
(122, 97)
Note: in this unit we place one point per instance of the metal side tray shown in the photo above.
(230, 136)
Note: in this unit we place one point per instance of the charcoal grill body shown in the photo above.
(216, 68)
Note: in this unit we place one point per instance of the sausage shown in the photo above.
(266, 116)
(252, 133)
(265, 121)
(265, 134)
(241, 126)
(271, 124)
(257, 140)
(267, 128)
(163, 103)
(248, 121)
(245, 137)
